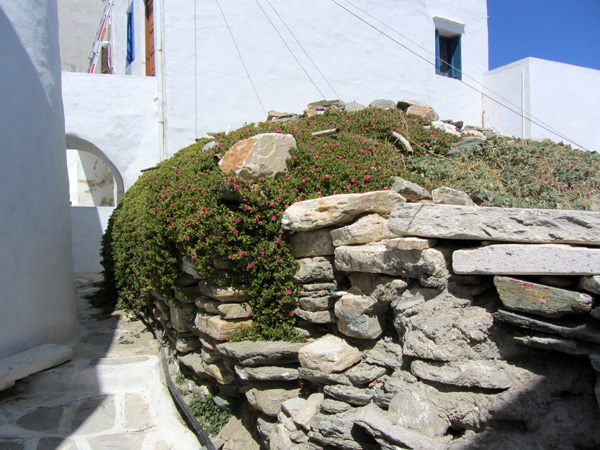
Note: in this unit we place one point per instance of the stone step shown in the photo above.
(32, 361)
(496, 224)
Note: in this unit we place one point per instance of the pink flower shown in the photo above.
(289, 292)
(250, 266)
(273, 218)
(241, 252)
(291, 313)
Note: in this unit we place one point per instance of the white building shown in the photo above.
(37, 297)
(182, 68)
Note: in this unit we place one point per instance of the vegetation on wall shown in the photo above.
(176, 211)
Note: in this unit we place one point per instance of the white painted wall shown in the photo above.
(561, 97)
(117, 114)
(89, 224)
(360, 63)
(91, 182)
(78, 21)
(37, 301)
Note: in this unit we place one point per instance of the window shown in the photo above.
(130, 36)
(448, 61)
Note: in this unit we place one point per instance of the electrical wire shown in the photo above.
(241, 58)
(289, 49)
(531, 118)
(303, 49)
(526, 115)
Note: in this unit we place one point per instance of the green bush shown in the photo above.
(209, 415)
(175, 211)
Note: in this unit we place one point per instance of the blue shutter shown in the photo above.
(437, 53)
(130, 36)
(456, 69)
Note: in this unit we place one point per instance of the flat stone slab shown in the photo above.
(329, 354)
(253, 354)
(522, 259)
(541, 300)
(487, 374)
(428, 265)
(337, 209)
(369, 228)
(32, 361)
(218, 328)
(587, 332)
(496, 224)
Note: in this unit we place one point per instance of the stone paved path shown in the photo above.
(109, 396)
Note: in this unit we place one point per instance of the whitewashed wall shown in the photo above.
(360, 63)
(38, 300)
(117, 114)
(88, 223)
(562, 97)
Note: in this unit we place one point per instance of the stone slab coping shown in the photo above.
(30, 361)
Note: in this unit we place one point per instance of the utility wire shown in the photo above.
(289, 49)
(532, 119)
(305, 52)
(527, 116)
(241, 58)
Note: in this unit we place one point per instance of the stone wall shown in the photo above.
(425, 325)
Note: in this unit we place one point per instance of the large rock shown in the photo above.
(448, 196)
(386, 354)
(411, 409)
(376, 423)
(320, 317)
(590, 284)
(412, 192)
(337, 431)
(369, 228)
(497, 224)
(182, 317)
(541, 300)
(482, 374)
(520, 259)
(312, 243)
(429, 266)
(424, 111)
(303, 415)
(234, 310)
(328, 354)
(381, 287)
(195, 364)
(318, 377)
(269, 400)
(445, 328)
(362, 374)
(337, 209)
(218, 328)
(360, 316)
(349, 394)
(314, 269)
(383, 104)
(263, 155)
(251, 353)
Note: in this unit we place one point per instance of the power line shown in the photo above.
(305, 52)
(527, 116)
(241, 58)
(531, 118)
(289, 49)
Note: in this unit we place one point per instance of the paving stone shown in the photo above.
(52, 443)
(137, 412)
(541, 300)
(12, 444)
(130, 441)
(94, 415)
(497, 224)
(45, 419)
(527, 259)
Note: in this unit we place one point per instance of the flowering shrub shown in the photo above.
(176, 211)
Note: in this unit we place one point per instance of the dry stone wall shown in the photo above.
(425, 325)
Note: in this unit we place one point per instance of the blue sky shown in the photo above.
(559, 30)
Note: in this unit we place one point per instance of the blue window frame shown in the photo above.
(130, 36)
(447, 56)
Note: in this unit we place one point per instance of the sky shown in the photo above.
(566, 31)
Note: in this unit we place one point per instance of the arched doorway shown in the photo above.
(93, 179)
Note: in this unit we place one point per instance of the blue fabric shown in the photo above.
(130, 36)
